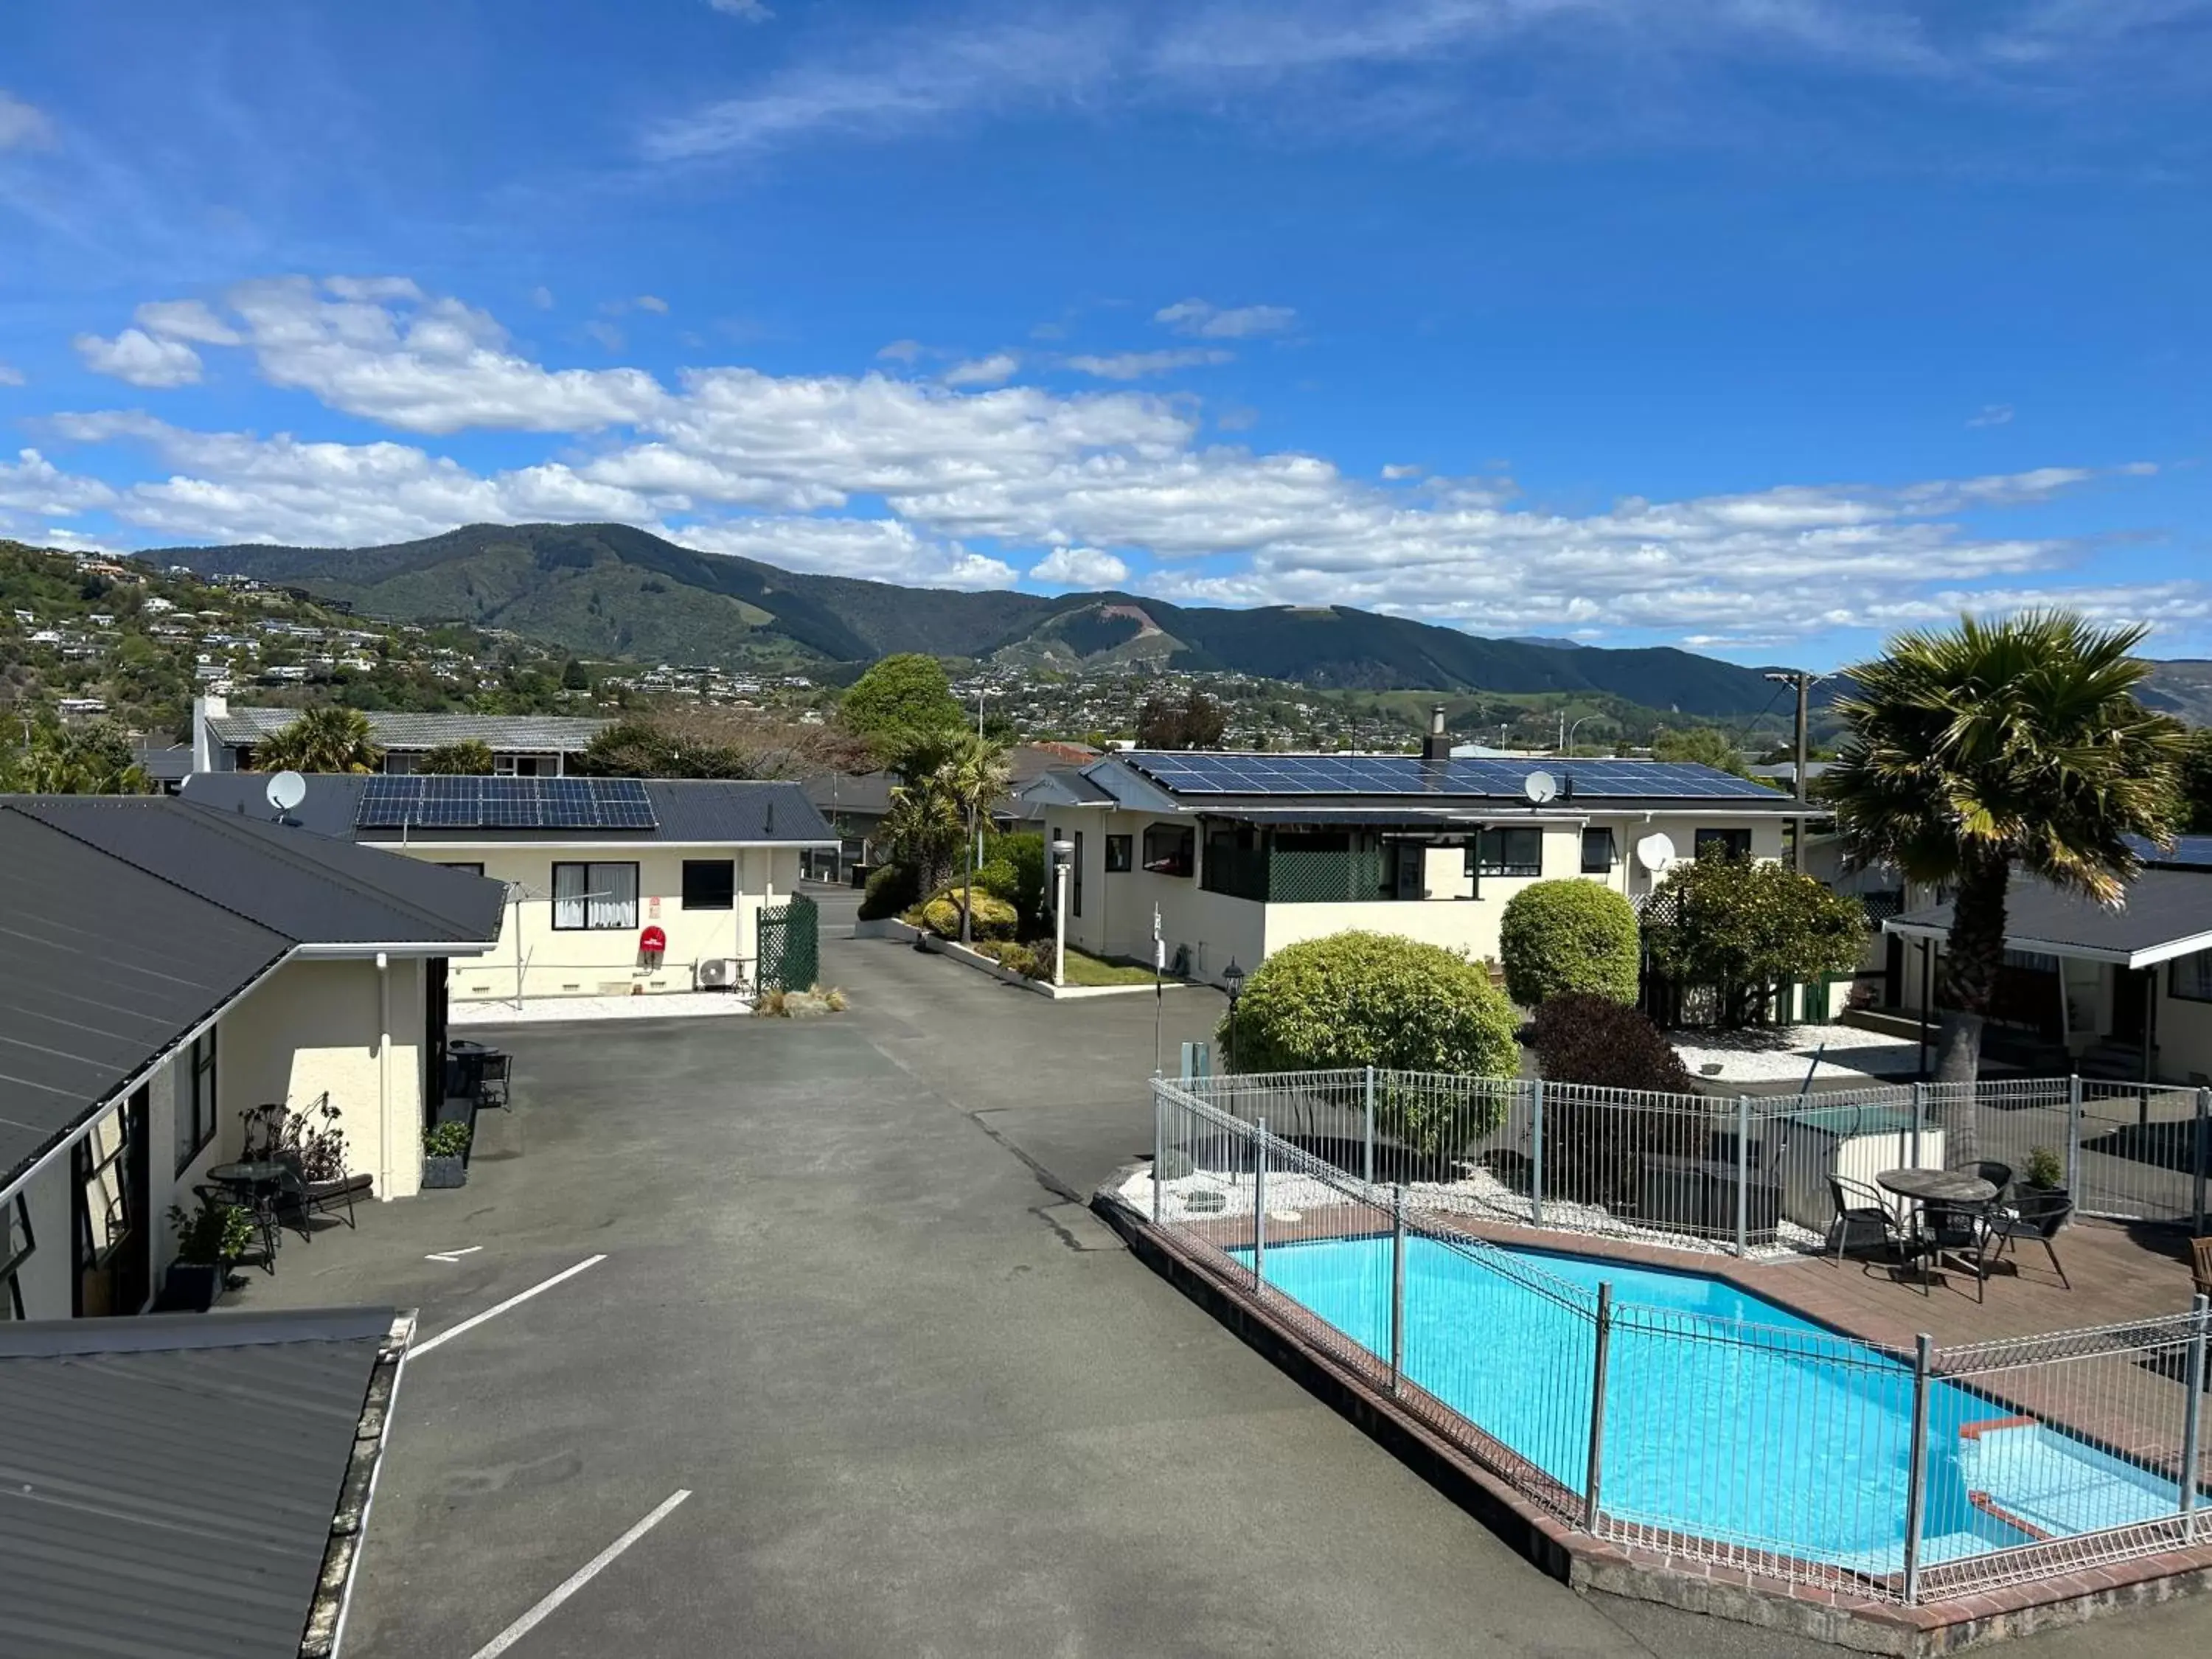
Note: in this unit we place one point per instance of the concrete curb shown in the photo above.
(891, 927)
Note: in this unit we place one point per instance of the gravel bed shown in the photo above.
(1784, 1053)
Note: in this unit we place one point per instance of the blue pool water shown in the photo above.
(1726, 1415)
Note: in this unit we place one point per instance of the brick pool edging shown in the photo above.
(1636, 1572)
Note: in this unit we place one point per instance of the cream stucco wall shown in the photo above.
(2185, 1034)
(1116, 918)
(597, 962)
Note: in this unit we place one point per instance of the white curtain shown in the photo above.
(570, 882)
(614, 896)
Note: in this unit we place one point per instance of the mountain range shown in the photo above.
(609, 591)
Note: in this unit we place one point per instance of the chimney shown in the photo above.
(1436, 745)
(205, 709)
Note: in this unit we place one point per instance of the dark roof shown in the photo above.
(713, 812)
(164, 763)
(866, 793)
(2167, 913)
(537, 734)
(131, 1524)
(126, 921)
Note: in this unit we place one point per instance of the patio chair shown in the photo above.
(1950, 1228)
(491, 1081)
(2200, 1264)
(2039, 1216)
(1863, 1227)
(300, 1198)
(1993, 1170)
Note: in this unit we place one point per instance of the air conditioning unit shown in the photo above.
(718, 973)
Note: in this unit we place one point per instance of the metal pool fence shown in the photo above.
(1779, 1447)
(1742, 1172)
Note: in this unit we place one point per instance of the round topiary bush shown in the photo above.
(993, 917)
(1566, 936)
(891, 889)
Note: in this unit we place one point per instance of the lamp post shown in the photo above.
(1232, 980)
(1062, 851)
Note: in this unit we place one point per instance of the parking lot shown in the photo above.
(921, 1402)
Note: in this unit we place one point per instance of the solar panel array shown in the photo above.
(423, 802)
(1198, 774)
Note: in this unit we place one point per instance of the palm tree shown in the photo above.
(921, 827)
(974, 774)
(329, 739)
(2017, 742)
(95, 760)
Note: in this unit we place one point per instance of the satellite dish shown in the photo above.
(1540, 787)
(1655, 852)
(286, 790)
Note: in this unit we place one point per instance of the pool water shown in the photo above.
(1726, 1415)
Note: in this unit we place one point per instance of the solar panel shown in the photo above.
(1406, 774)
(417, 801)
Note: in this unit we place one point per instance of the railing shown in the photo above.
(1767, 1443)
(1296, 875)
(1749, 1174)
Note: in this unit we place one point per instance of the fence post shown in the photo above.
(1601, 1346)
(1260, 1209)
(1397, 1284)
(1536, 1158)
(2074, 1138)
(1159, 1142)
(1742, 1174)
(1370, 1165)
(2191, 1409)
(2203, 1124)
(1919, 1118)
(1916, 1478)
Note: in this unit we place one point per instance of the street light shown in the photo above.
(1233, 979)
(1063, 852)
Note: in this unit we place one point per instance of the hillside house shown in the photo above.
(226, 735)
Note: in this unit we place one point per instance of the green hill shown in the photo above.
(610, 591)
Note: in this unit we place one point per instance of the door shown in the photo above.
(2130, 1004)
(1412, 874)
(114, 1232)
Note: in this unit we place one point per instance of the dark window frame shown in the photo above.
(474, 867)
(1604, 867)
(1734, 843)
(727, 869)
(1075, 878)
(1179, 861)
(2173, 978)
(195, 1107)
(1121, 854)
(11, 1263)
(1491, 852)
(588, 866)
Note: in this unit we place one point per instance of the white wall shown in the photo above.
(599, 962)
(2185, 1034)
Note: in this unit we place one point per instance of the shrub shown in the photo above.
(1362, 999)
(1001, 879)
(1564, 936)
(1595, 1151)
(891, 889)
(993, 917)
(1743, 926)
(1582, 1038)
(2042, 1170)
(1025, 852)
(445, 1139)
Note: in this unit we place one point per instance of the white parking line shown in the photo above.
(452, 1256)
(471, 1323)
(577, 1580)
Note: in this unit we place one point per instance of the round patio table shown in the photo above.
(1942, 1186)
(256, 1182)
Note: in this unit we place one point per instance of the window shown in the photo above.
(15, 1246)
(1723, 844)
(710, 884)
(1075, 878)
(1510, 852)
(473, 869)
(1597, 852)
(1168, 847)
(594, 896)
(2189, 977)
(1118, 853)
(195, 1098)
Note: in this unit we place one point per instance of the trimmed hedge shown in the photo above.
(1558, 937)
(993, 917)
(892, 889)
(1363, 999)
(1596, 1150)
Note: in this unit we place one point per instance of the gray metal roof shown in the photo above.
(712, 811)
(2167, 913)
(103, 967)
(864, 794)
(538, 734)
(168, 1484)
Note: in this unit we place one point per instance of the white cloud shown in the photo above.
(993, 370)
(1141, 365)
(542, 297)
(1212, 322)
(10, 375)
(901, 351)
(745, 11)
(136, 356)
(23, 125)
(1079, 567)
(186, 319)
(32, 483)
(1402, 470)
(652, 302)
(1992, 415)
(605, 333)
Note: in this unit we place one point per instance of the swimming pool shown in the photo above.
(1726, 1415)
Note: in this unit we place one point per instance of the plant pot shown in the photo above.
(192, 1286)
(439, 1171)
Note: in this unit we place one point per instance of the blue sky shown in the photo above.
(1764, 326)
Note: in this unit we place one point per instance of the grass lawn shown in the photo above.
(1085, 969)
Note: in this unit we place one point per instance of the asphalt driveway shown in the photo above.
(922, 1403)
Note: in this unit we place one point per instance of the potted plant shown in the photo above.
(445, 1154)
(209, 1240)
(2042, 1184)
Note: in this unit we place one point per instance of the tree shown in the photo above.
(1568, 935)
(647, 749)
(94, 760)
(974, 774)
(328, 738)
(1744, 926)
(471, 757)
(922, 827)
(901, 697)
(1699, 745)
(2017, 742)
(2195, 810)
(574, 677)
(1197, 721)
(1595, 1148)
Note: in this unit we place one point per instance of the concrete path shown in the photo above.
(922, 1403)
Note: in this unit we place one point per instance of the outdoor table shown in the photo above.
(256, 1182)
(464, 1066)
(1939, 1186)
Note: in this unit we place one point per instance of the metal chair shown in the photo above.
(256, 1204)
(1863, 1227)
(1997, 1173)
(305, 1197)
(2200, 1264)
(492, 1078)
(2039, 1215)
(1948, 1227)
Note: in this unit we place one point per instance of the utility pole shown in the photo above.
(1804, 682)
